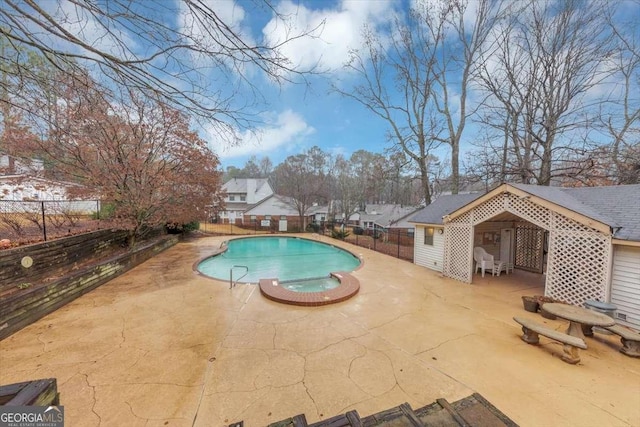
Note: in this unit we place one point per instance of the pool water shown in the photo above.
(320, 284)
(284, 258)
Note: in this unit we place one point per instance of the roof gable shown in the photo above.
(274, 205)
(442, 206)
(615, 208)
(386, 214)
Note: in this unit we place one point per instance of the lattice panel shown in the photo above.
(532, 212)
(489, 209)
(577, 268)
(458, 251)
(462, 219)
(529, 246)
(578, 256)
(561, 222)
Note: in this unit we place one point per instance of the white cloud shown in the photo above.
(286, 131)
(226, 10)
(338, 30)
(78, 21)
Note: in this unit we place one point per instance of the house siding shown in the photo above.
(428, 256)
(625, 284)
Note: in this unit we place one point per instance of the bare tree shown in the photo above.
(348, 192)
(305, 179)
(620, 116)
(547, 57)
(430, 59)
(183, 53)
(460, 57)
(370, 171)
(406, 105)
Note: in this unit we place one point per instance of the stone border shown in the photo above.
(349, 286)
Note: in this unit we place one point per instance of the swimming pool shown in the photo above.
(284, 258)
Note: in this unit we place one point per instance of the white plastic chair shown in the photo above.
(484, 261)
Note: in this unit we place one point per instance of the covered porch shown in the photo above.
(569, 253)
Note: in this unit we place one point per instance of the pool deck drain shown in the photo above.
(349, 286)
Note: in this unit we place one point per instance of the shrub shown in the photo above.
(191, 226)
(358, 231)
(177, 228)
(107, 211)
(339, 234)
(313, 227)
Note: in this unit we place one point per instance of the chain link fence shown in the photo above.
(34, 221)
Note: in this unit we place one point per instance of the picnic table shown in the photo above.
(578, 316)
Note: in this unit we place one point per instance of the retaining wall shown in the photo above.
(19, 309)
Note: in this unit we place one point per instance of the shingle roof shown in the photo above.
(273, 205)
(617, 206)
(619, 203)
(239, 185)
(442, 206)
(385, 214)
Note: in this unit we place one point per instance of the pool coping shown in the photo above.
(349, 286)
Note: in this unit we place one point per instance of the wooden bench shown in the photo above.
(531, 330)
(630, 340)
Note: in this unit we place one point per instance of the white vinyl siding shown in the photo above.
(429, 256)
(625, 284)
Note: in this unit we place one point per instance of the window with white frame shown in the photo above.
(428, 236)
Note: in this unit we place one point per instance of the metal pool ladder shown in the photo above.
(231, 282)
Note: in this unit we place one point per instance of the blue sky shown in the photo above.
(296, 117)
(292, 118)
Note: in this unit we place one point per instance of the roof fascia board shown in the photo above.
(427, 225)
(620, 242)
(506, 188)
(255, 205)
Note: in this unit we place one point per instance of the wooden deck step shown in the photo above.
(350, 419)
(400, 416)
(473, 411)
(297, 421)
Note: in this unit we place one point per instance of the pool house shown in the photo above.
(584, 242)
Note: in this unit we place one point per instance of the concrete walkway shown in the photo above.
(163, 346)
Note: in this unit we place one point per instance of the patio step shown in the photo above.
(472, 411)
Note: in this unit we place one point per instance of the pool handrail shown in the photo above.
(232, 284)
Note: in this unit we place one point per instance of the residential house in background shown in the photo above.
(30, 188)
(242, 194)
(583, 242)
(22, 180)
(384, 217)
(11, 166)
(279, 213)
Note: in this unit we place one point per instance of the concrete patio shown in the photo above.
(164, 346)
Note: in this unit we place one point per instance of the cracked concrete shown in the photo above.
(164, 346)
